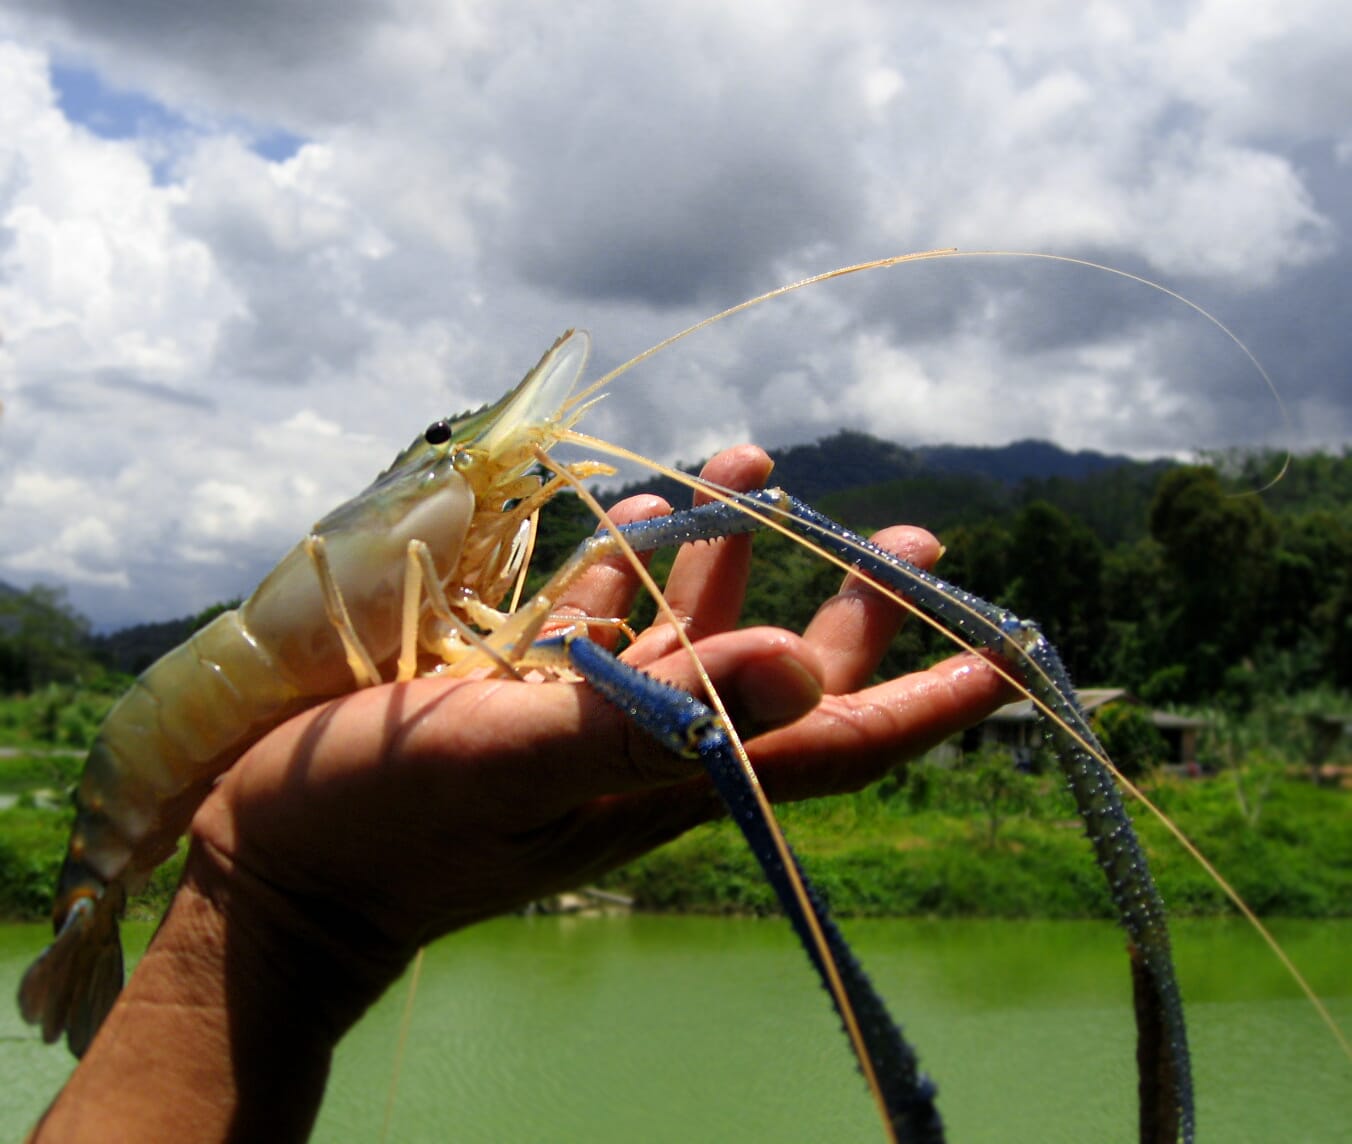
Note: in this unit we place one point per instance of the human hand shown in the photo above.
(362, 829)
(404, 811)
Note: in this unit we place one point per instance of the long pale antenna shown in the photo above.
(953, 252)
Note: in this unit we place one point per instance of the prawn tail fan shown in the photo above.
(74, 982)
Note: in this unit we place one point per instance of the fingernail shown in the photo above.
(773, 692)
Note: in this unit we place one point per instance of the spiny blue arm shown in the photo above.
(688, 728)
(1165, 1085)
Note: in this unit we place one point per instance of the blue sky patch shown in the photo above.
(108, 112)
(113, 113)
(277, 146)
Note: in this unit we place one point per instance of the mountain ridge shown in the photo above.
(850, 459)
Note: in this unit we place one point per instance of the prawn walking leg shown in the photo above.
(1165, 1087)
(689, 728)
(1166, 1099)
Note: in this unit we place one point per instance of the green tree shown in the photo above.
(977, 558)
(1218, 552)
(989, 783)
(1130, 738)
(1298, 616)
(42, 640)
(1135, 601)
(1335, 617)
(1058, 581)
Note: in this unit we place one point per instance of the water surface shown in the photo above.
(680, 1029)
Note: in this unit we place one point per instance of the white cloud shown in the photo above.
(93, 274)
(1267, 69)
(84, 551)
(205, 348)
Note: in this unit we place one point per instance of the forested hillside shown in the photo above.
(1182, 583)
(1177, 582)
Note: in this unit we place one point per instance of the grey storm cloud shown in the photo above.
(458, 183)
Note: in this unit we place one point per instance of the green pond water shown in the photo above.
(701, 1029)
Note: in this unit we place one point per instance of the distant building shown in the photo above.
(1017, 728)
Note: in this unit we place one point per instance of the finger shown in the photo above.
(841, 746)
(849, 741)
(708, 579)
(853, 629)
(608, 588)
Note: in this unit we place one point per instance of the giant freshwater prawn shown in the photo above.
(410, 577)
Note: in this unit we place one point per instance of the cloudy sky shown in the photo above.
(248, 250)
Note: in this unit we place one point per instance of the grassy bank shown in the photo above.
(982, 840)
(888, 852)
(878, 853)
(33, 837)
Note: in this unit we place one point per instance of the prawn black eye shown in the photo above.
(438, 433)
